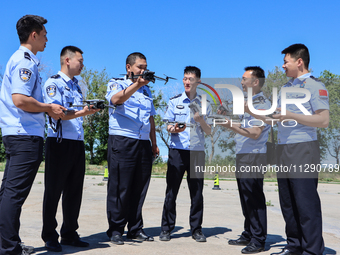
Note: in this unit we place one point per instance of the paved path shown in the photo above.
(223, 220)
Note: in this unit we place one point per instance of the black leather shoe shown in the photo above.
(287, 252)
(26, 248)
(117, 239)
(241, 241)
(199, 236)
(53, 245)
(252, 248)
(74, 242)
(142, 236)
(164, 236)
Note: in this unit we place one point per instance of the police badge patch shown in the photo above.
(25, 74)
(51, 90)
(113, 86)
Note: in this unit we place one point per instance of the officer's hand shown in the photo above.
(56, 111)
(179, 129)
(228, 123)
(198, 118)
(155, 150)
(176, 129)
(279, 116)
(221, 112)
(141, 82)
(88, 111)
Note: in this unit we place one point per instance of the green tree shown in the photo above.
(96, 126)
(330, 137)
(275, 79)
(160, 107)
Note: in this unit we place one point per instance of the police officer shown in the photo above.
(131, 127)
(22, 122)
(186, 151)
(251, 137)
(298, 145)
(64, 153)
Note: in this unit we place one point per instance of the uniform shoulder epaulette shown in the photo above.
(314, 78)
(27, 55)
(56, 76)
(175, 96)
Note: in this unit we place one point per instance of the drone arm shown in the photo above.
(81, 113)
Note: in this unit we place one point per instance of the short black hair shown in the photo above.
(193, 69)
(258, 72)
(28, 24)
(297, 51)
(131, 59)
(68, 50)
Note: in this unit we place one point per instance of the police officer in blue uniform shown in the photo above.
(298, 146)
(251, 137)
(186, 151)
(297, 151)
(64, 153)
(131, 127)
(22, 122)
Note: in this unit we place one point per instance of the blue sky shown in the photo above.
(220, 37)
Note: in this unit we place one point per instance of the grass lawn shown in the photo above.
(159, 171)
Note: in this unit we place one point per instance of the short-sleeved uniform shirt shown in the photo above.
(60, 89)
(130, 119)
(192, 138)
(21, 77)
(245, 144)
(289, 133)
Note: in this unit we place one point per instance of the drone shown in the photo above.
(150, 76)
(180, 123)
(96, 104)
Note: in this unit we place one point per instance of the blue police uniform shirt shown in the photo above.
(248, 145)
(60, 89)
(21, 77)
(192, 138)
(287, 133)
(130, 119)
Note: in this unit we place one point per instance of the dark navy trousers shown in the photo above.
(299, 199)
(253, 201)
(23, 157)
(64, 174)
(129, 163)
(180, 161)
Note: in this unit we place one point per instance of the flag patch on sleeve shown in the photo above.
(323, 93)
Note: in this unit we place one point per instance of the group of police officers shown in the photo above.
(132, 147)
